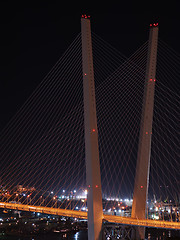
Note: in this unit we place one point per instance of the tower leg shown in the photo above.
(140, 232)
(93, 178)
(144, 149)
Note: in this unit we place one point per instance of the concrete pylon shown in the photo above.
(140, 195)
(93, 177)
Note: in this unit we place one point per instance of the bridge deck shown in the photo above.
(83, 215)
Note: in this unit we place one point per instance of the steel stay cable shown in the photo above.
(162, 74)
(35, 162)
(172, 128)
(162, 175)
(171, 74)
(168, 54)
(69, 176)
(116, 74)
(107, 45)
(160, 136)
(45, 146)
(162, 131)
(42, 82)
(169, 48)
(142, 49)
(169, 103)
(134, 54)
(122, 163)
(123, 64)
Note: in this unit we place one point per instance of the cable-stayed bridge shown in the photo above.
(43, 146)
(83, 215)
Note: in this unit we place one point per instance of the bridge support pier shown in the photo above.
(93, 177)
(118, 231)
(144, 150)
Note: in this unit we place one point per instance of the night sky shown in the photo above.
(34, 36)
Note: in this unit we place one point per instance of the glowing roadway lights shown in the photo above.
(83, 215)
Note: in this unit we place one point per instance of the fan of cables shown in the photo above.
(42, 147)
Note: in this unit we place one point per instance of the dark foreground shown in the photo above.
(82, 235)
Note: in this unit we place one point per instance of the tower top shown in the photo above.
(85, 16)
(154, 25)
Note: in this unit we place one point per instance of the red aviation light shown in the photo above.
(150, 79)
(96, 186)
(141, 186)
(146, 132)
(154, 80)
(154, 25)
(93, 130)
(85, 16)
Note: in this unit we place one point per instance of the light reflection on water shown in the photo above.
(151, 234)
(81, 235)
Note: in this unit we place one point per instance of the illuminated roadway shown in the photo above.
(83, 215)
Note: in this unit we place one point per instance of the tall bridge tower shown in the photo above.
(93, 177)
(144, 149)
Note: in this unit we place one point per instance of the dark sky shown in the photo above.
(34, 36)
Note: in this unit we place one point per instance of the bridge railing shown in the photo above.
(83, 215)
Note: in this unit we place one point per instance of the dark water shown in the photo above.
(81, 235)
(152, 234)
